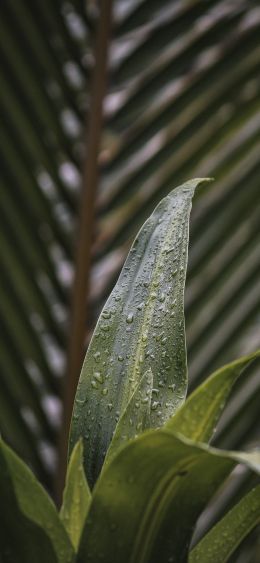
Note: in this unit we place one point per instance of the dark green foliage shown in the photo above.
(153, 486)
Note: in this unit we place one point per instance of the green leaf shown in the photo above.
(147, 501)
(76, 496)
(30, 527)
(162, 129)
(140, 327)
(198, 417)
(219, 544)
(136, 416)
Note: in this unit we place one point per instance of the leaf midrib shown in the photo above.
(155, 508)
(133, 369)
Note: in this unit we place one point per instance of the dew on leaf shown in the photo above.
(106, 314)
(154, 405)
(145, 400)
(130, 318)
(98, 377)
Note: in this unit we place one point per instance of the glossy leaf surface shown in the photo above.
(198, 417)
(175, 117)
(140, 327)
(30, 527)
(136, 416)
(219, 544)
(76, 496)
(146, 503)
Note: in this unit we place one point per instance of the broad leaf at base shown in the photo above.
(147, 501)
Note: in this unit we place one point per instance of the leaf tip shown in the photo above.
(192, 184)
(199, 181)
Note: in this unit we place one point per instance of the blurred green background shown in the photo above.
(182, 100)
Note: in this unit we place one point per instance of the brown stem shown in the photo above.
(79, 313)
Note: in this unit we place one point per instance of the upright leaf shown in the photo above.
(76, 496)
(219, 544)
(147, 501)
(198, 417)
(30, 527)
(140, 327)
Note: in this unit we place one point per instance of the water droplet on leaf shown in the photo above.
(97, 356)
